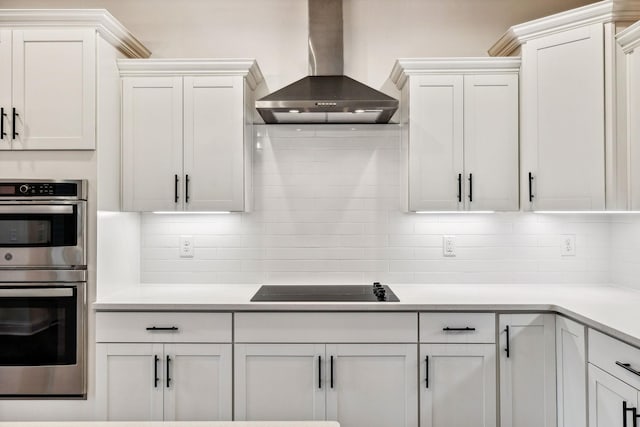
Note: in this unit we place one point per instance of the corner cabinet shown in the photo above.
(187, 134)
(163, 366)
(571, 373)
(50, 87)
(527, 370)
(460, 133)
(572, 110)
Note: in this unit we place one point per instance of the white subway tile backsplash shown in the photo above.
(327, 209)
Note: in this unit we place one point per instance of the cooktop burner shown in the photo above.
(324, 293)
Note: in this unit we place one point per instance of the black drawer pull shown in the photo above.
(507, 349)
(175, 189)
(2, 116)
(14, 124)
(448, 329)
(459, 188)
(319, 371)
(156, 359)
(168, 371)
(331, 368)
(531, 196)
(628, 367)
(155, 328)
(471, 187)
(634, 414)
(426, 371)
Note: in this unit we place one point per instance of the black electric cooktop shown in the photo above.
(325, 293)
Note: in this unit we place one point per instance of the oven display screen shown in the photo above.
(7, 190)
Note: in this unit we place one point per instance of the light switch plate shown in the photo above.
(186, 246)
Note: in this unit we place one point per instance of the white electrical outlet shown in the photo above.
(186, 246)
(449, 245)
(568, 245)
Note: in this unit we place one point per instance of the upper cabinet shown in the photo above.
(572, 121)
(459, 133)
(629, 40)
(49, 80)
(187, 134)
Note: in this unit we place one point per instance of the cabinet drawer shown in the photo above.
(605, 351)
(326, 327)
(458, 327)
(162, 327)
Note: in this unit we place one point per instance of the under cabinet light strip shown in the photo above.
(190, 213)
(454, 212)
(588, 212)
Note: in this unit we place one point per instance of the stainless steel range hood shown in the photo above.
(326, 96)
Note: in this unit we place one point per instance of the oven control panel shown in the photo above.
(41, 189)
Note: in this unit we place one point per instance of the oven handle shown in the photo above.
(33, 292)
(36, 209)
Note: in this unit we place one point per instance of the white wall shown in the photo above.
(327, 210)
(376, 32)
(625, 250)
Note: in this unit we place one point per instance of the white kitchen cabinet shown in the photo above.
(460, 137)
(283, 382)
(458, 385)
(572, 110)
(163, 366)
(607, 395)
(187, 133)
(527, 370)
(355, 368)
(51, 92)
(571, 373)
(629, 40)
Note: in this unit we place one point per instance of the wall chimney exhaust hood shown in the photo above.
(326, 96)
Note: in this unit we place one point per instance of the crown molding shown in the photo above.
(245, 67)
(405, 67)
(629, 39)
(600, 12)
(105, 24)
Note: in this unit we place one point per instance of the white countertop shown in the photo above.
(172, 424)
(612, 310)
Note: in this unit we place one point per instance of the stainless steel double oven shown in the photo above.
(43, 280)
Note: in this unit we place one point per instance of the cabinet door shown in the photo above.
(606, 397)
(491, 142)
(373, 385)
(563, 118)
(283, 382)
(633, 100)
(129, 382)
(197, 382)
(5, 88)
(458, 385)
(436, 143)
(571, 373)
(214, 143)
(54, 89)
(527, 370)
(152, 144)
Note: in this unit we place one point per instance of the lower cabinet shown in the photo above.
(527, 370)
(571, 373)
(458, 385)
(354, 384)
(608, 399)
(171, 382)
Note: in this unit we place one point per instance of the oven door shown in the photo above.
(42, 235)
(42, 339)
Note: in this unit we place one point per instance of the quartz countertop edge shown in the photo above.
(607, 308)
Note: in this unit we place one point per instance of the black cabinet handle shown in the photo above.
(634, 414)
(471, 187)
(186, 191)
(169, 328)
(531, 196)
(628, 367)
(2, 116)
(15, 115)
(331, 369)
(459, 187)
(168, 371)
(175, 189)
(319, 371)
(448, 329)
(426, 370)
(156, 359)
(507, 347)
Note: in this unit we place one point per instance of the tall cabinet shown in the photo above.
(460, 133)
(572, 110)
(186, 134)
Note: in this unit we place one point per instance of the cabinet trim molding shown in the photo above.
(105, 24)
(629, 38)
(245, 67)
(600, 12)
